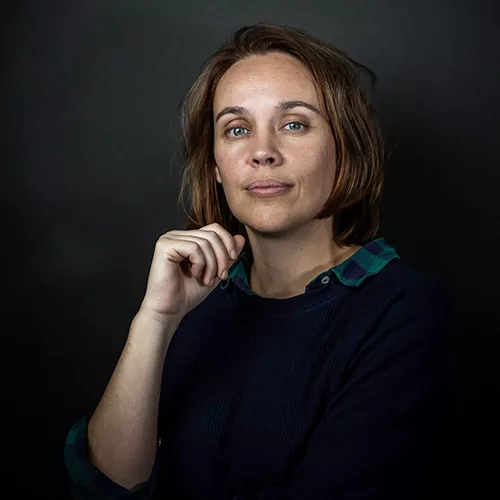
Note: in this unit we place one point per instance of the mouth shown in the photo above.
(263, 192)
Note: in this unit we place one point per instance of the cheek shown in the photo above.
(317, 160)
(223, 156)
(228, 160)
(216, 155)
(226, 166)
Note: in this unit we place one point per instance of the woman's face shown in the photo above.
(268, 125)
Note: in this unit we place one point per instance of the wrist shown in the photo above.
(163, 320)
(153, 329)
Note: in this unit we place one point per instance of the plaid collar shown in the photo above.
(367, 261)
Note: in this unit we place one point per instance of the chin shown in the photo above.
(271, 227)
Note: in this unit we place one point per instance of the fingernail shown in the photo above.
(233, 254)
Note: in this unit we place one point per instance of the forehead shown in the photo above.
(259, 79)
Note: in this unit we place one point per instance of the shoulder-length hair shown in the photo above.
(358, 182)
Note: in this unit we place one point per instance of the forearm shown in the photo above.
(122, 433)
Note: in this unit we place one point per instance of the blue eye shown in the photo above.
(237, 131)
(295, 126)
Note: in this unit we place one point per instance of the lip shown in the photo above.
(266, 192)
(267, 183)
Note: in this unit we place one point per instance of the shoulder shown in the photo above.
(399, 279)
(404, 299)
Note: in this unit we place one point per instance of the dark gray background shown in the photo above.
(91, 175)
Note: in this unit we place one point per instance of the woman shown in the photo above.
(312, 365)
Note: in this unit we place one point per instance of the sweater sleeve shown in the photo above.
(87, 482)
(377, 436)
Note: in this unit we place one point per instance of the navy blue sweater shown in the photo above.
(337, 393)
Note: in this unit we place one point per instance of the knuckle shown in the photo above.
(161, 241)
(203, 243)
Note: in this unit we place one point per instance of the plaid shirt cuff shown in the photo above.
(87, 482)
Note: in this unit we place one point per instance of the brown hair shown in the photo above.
(356, 192)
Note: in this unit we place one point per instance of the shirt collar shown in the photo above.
(367, 261)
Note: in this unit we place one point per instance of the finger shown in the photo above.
(220, 239)
(232, 243)
(183, 250)
(226, 237)
(209, 269)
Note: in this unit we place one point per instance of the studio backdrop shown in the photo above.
(91, 177)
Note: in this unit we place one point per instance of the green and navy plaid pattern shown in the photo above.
(365, 262)
(88, 482)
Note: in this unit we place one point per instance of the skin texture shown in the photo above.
(294, 145)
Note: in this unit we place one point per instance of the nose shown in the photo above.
(263, 158)
(265, 151)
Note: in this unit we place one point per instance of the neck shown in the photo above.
(283, 266)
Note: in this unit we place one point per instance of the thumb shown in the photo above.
(240, 243)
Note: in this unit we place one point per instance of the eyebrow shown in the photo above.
(282, 106)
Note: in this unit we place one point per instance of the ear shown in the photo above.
(217, 175)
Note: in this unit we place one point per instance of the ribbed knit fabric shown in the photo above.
(337, 393)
